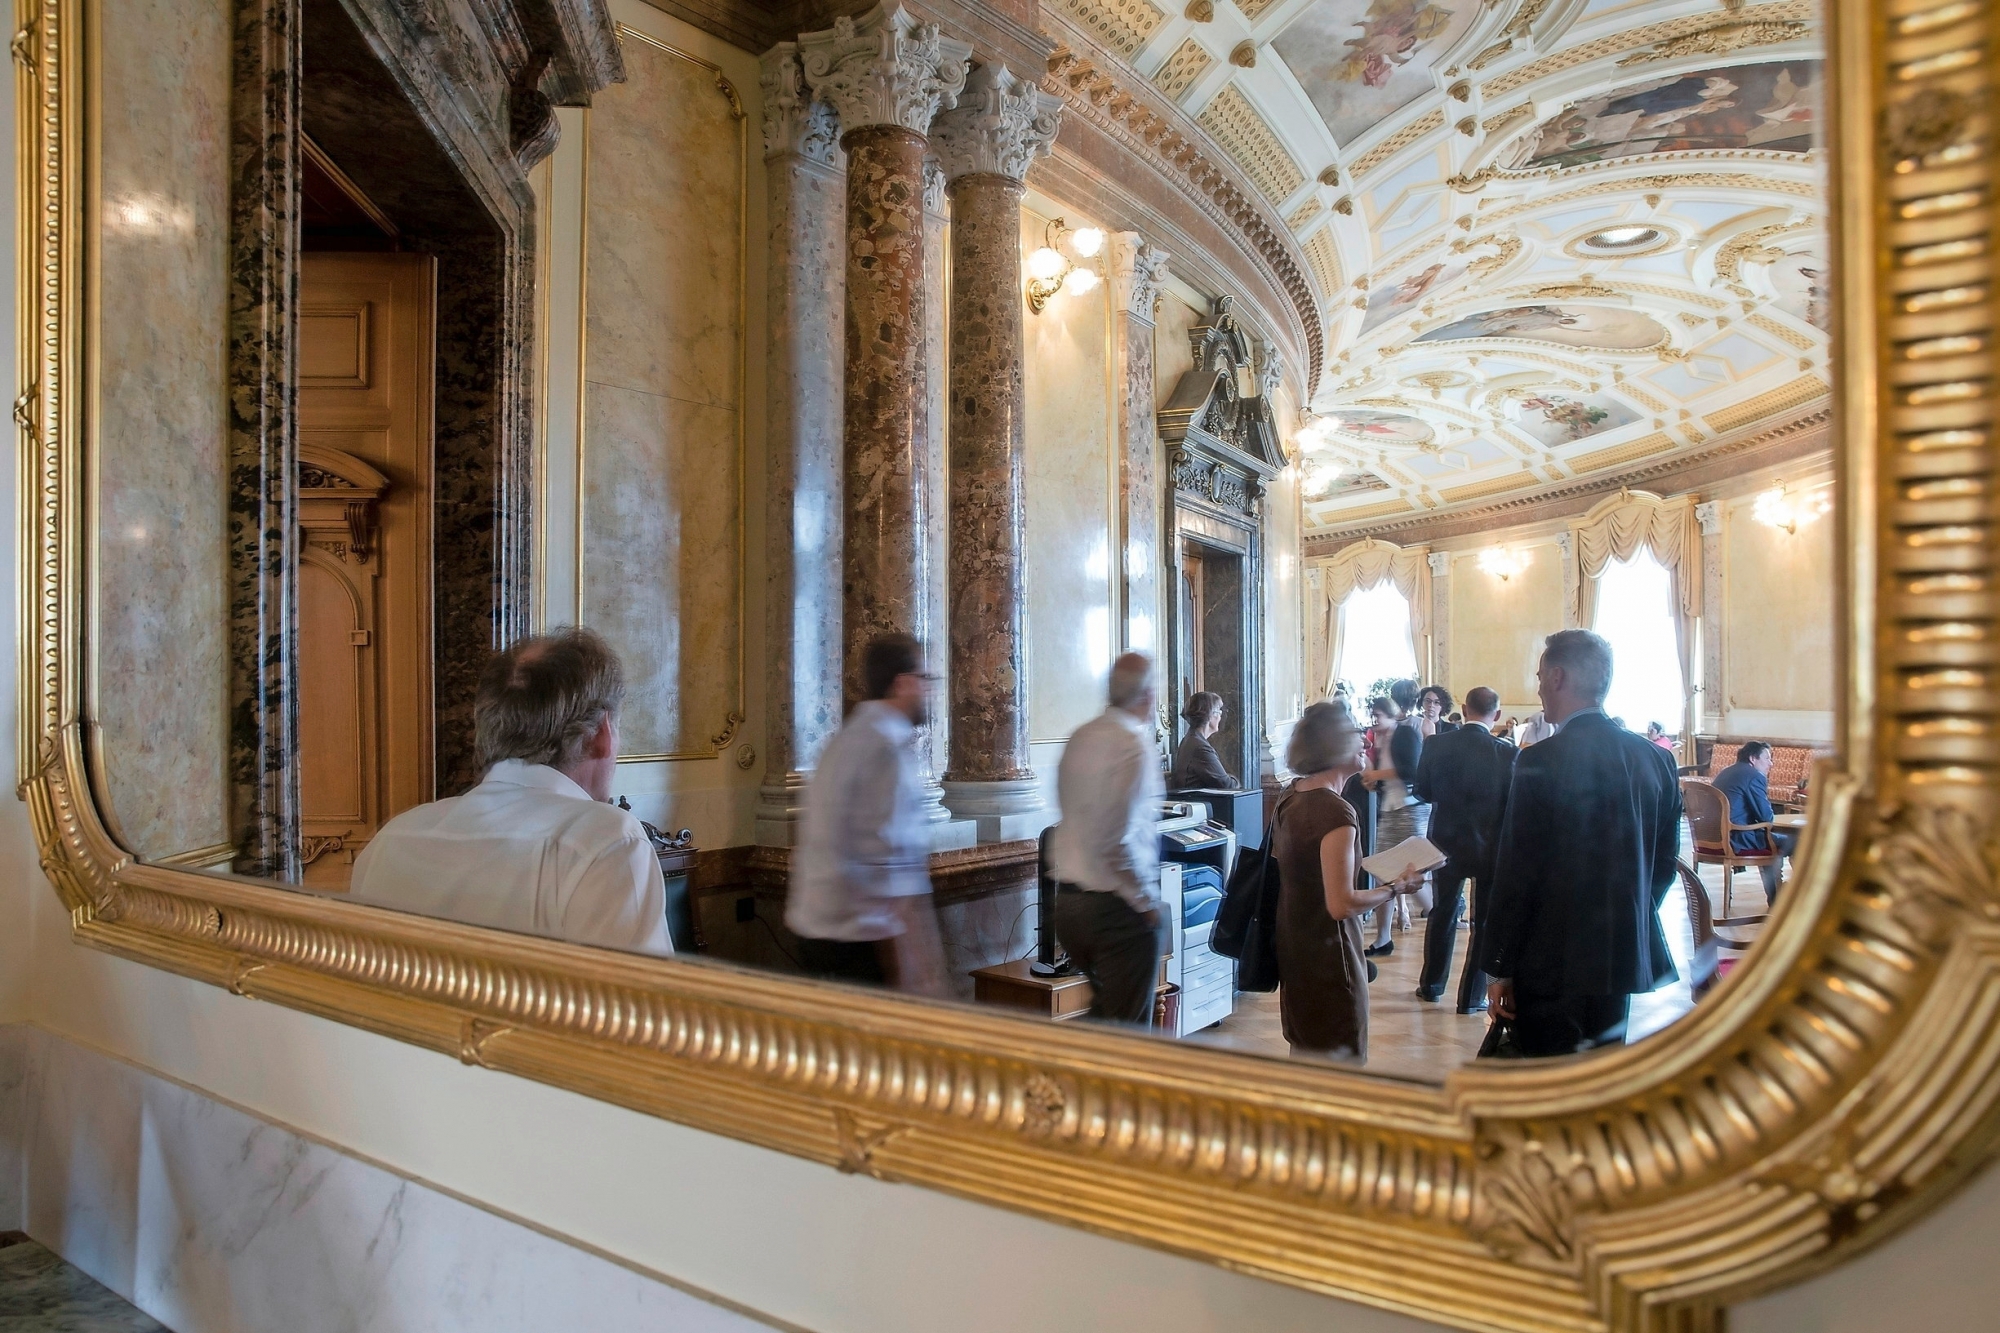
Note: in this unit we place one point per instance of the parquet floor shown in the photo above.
(1408, 1038)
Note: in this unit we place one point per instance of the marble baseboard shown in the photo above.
(211, 1219)
(13, 1126)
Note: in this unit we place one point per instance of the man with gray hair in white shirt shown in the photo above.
(536, 846)
(1105, 855)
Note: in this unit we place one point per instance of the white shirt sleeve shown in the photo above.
(1124, 782)
(620, 901)
(877, 840)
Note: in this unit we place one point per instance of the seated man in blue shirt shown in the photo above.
(1746, 784)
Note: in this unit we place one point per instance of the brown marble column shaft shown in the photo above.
(885, 422)
(989, 692)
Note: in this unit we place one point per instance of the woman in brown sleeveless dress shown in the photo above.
(1322, 977)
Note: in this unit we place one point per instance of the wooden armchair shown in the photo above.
(1708, 820)
(1704, 967)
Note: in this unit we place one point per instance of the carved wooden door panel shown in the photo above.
(365, 392)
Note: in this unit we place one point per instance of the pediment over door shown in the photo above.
(338, 494)
(1218, 424)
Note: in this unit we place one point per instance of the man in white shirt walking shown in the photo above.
(535, 847)
(860, 899)
(1105, 855)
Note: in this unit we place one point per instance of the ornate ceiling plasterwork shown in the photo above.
(1560, 238)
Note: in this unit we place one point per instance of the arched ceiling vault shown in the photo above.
(1550, 239)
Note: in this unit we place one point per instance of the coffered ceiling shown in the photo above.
(1552, 239)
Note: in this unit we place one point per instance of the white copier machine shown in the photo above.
(1206, 979)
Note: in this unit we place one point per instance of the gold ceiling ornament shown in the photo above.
(1721, 40)
(1582, 287)
(1836, 1088)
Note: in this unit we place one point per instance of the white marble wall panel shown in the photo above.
(212, 1220)
(13, 1125)
(1497, 625)
(161, 223)
(661, 492)
(1071, 505)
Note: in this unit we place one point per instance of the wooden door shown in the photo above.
(365, 392)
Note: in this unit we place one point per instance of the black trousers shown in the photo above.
(858, 961)
(1115, 947)
(1441, 939)
(1566, 1024)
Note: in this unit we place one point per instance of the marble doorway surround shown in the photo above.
(441, 139)
(209, 1218)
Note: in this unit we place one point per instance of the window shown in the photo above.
(1375, 640)
(1635, 612)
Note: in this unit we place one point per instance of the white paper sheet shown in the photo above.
(1407, 855)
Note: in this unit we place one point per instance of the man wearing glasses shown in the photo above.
(860, 899)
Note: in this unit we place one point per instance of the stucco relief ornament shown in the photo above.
(794, 120)
(1138, 274)
(1001, 124)
(885, 68)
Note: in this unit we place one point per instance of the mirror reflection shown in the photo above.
(948, 548)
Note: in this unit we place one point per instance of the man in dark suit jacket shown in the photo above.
(1747, 785)
(1464, 775)
(1586, 857)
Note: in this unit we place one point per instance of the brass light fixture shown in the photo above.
(1051, 270)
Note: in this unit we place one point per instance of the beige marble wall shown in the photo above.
(1172, 356)
(1777, 626)
(159, 215)
(1284, 626)
(1497, 626)
(662, 500)
(1071, 494)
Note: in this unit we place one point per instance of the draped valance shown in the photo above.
(1358, 568)
(1628, 523)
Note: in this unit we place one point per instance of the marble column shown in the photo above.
(1566, 544)
(806, 186)
(986, 145)
(946, 830)
(1138, 272)
(1712, 698)
(886, 75)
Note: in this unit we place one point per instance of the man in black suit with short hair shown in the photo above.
(1586, 857)
(1464, 775)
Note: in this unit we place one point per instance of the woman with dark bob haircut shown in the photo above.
(1196, 764)
(1323, 979)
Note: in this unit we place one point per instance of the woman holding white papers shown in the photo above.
(1323, 979)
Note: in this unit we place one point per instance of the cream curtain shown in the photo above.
(1620, 528)
(1360, 567)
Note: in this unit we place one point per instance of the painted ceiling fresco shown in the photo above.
(1603, 328)
(1361, 60)
(1773, 107)
(1551, 239)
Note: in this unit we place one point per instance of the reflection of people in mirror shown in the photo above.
(1196, 764)
(536, 846)
(1105, 854)
(860, 897)
(1323, 976)
(1746, 784)
(1586, 857)
(1465, 775)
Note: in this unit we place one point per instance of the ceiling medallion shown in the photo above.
(1625, 241)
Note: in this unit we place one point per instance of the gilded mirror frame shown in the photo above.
(1843, 1084)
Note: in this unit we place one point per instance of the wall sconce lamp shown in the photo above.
(1501, 563)
(1051, 271)
(1778, 508)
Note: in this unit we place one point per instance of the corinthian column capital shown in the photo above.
(884, 68)
(999, 127)
(794, 120)
(1138, 273)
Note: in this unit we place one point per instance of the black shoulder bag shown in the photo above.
(1246, 925)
